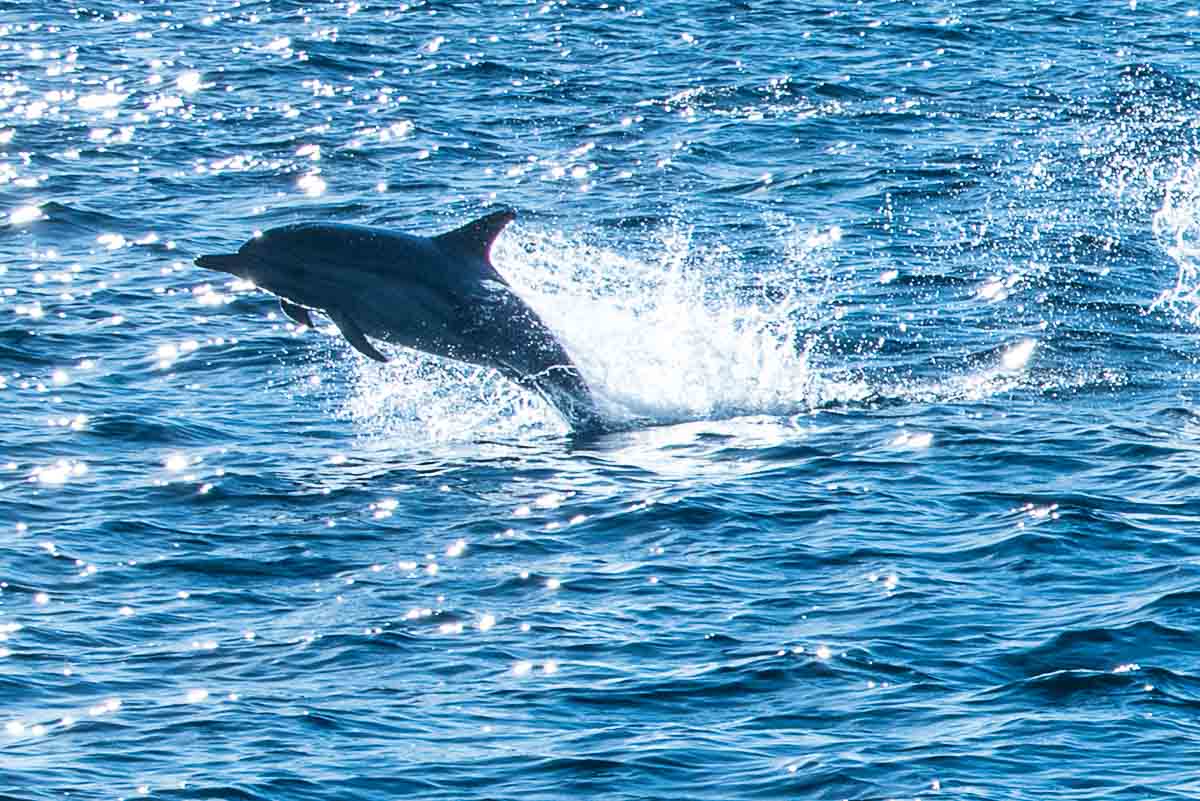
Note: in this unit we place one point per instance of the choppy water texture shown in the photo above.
(908, 293)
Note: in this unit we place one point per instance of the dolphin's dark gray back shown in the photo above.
(333, 245)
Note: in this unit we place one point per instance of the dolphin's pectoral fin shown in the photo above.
(297, 313)
(355, 336)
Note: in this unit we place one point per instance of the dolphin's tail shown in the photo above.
(539, 363)
(564, 388)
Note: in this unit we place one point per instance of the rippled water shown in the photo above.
(899, 304)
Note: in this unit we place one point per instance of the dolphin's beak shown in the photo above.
(231, 263)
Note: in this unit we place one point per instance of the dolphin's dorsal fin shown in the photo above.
(475, 238)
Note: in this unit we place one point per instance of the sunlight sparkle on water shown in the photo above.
(914, 441)
(25, 214)
(551, 500)
(188, 82)
(312, 185)
(106, 708)
(60, 472)
(111, 241)
(1016, 357)
(101, 100)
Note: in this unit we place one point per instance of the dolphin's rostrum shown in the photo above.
(437, 294)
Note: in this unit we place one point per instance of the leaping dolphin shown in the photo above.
(438, 294)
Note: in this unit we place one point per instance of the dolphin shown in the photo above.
(437, 294)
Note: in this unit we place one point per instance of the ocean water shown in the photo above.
(897, 305)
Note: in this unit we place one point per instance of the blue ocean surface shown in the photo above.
(895, 307)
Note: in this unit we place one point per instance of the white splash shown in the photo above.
(1176, 226)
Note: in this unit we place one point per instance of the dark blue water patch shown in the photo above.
(16, 350)
(1094, 651)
